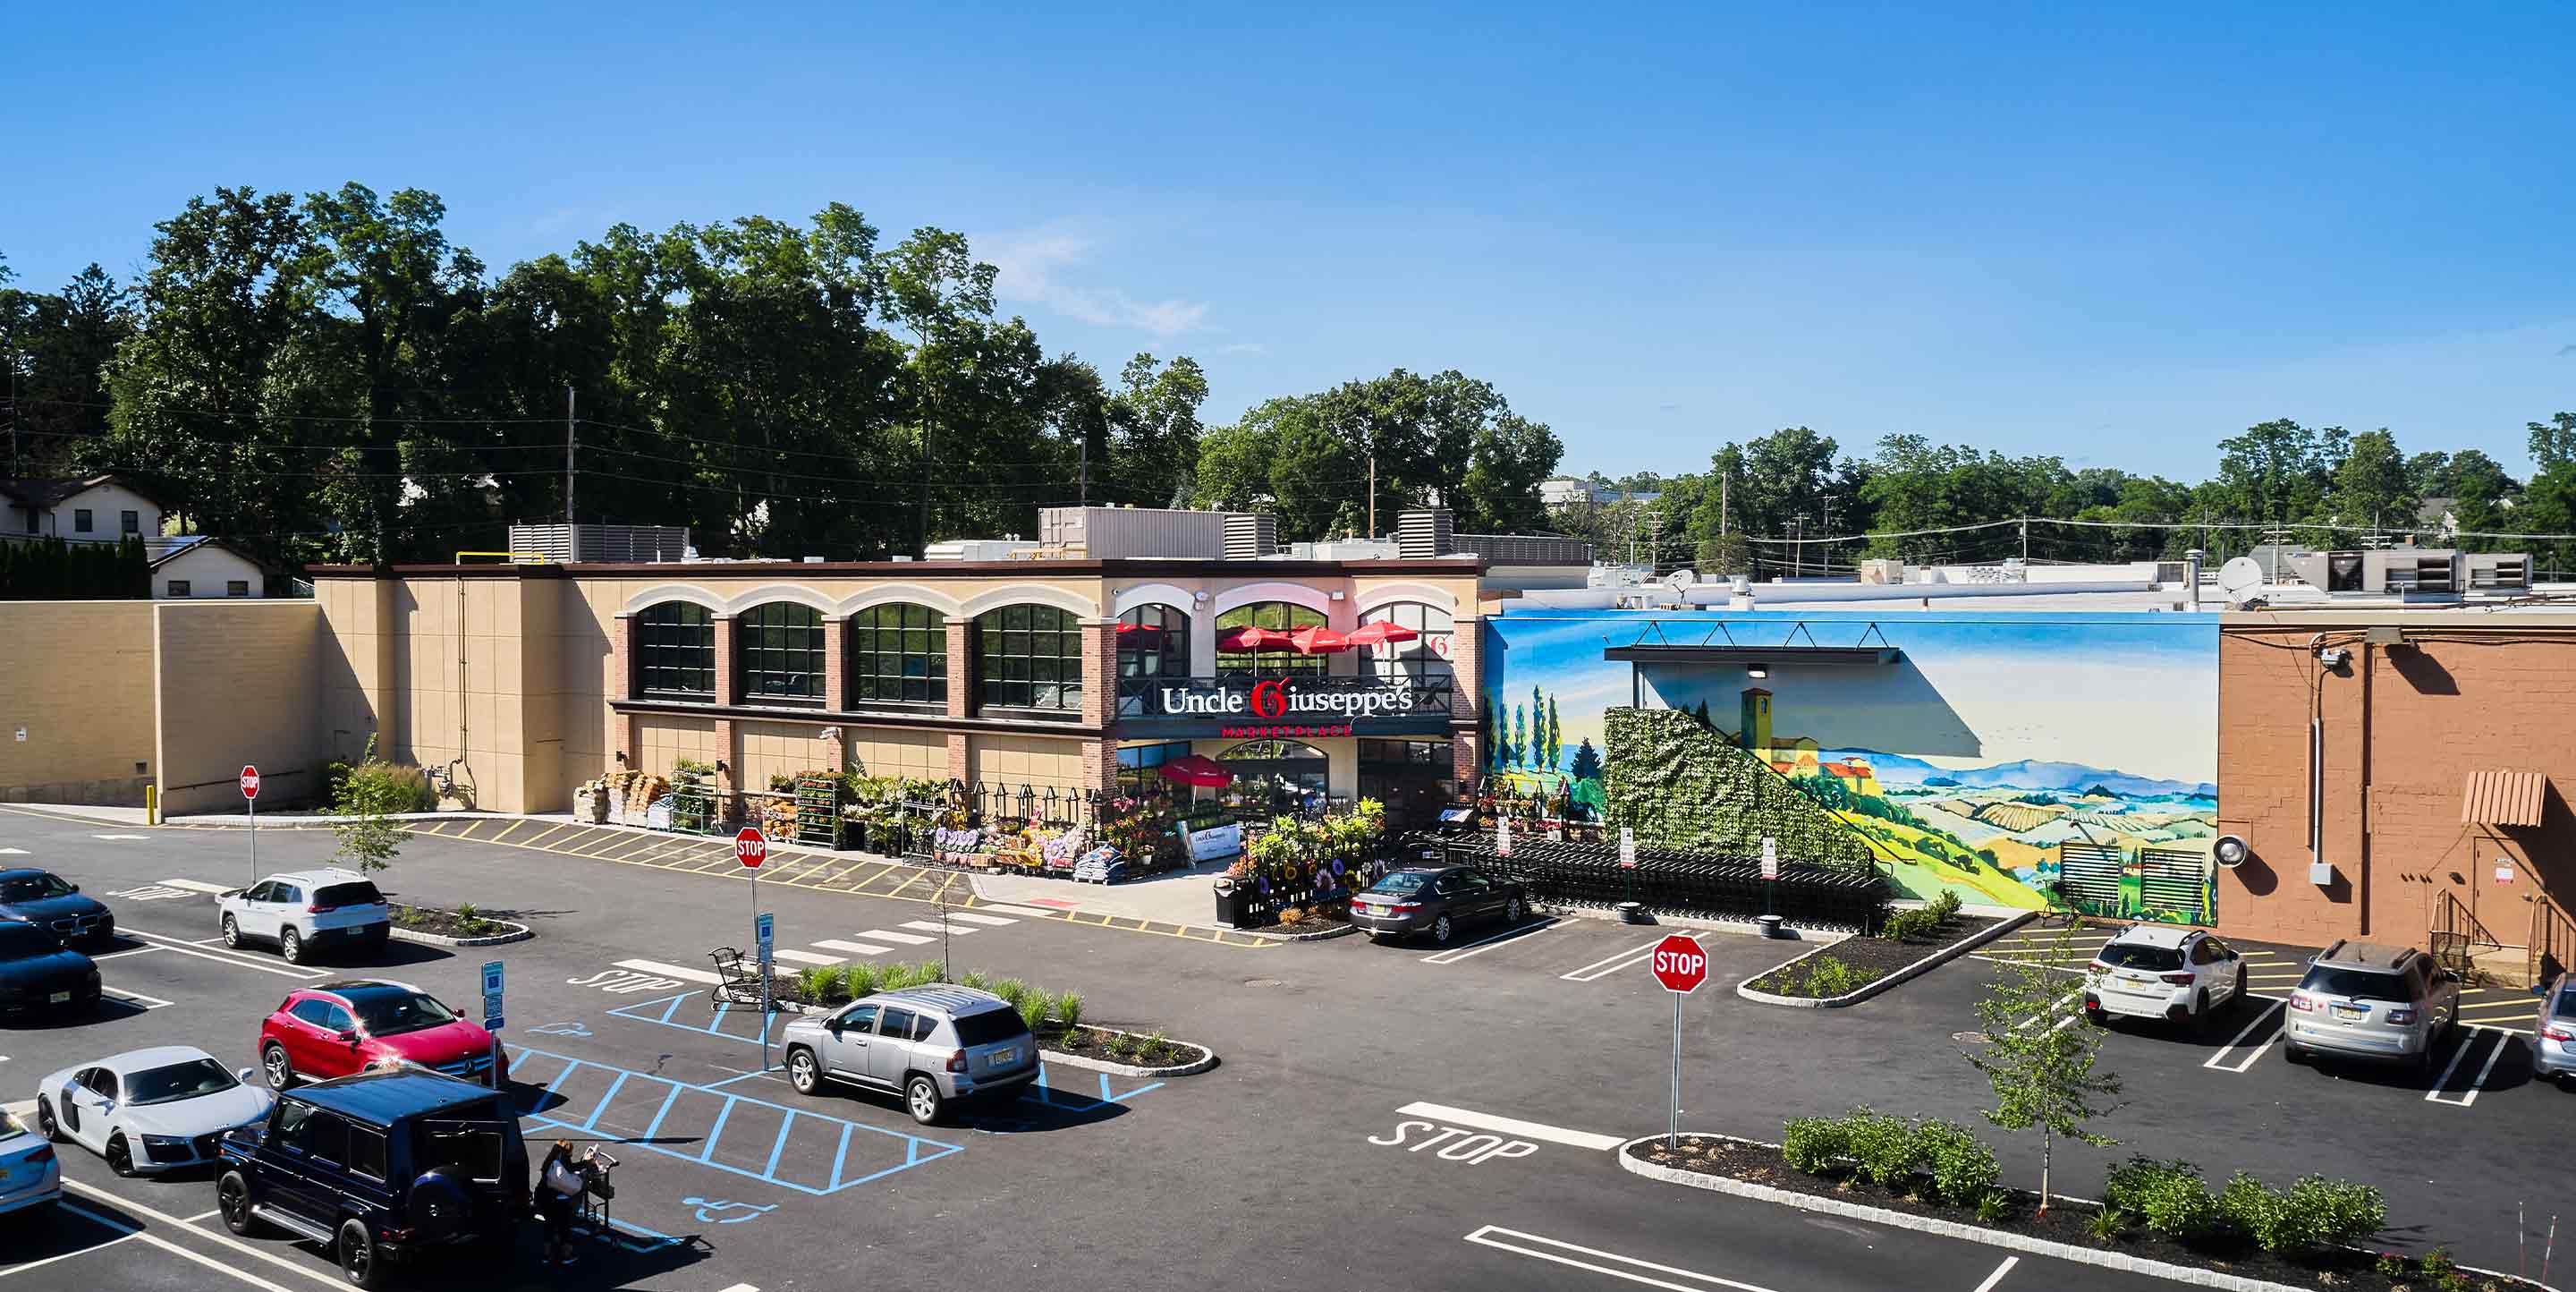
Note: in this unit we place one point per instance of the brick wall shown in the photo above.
(836, 662)
(2404, 726)
(961, 671)
(1099, 670)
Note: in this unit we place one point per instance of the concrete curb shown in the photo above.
(1910, 972)
(2187, 1274)
(236, 821)
(1344, 931)
(522, 934)
(1207, 1058)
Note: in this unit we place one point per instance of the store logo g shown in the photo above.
(1269, 699)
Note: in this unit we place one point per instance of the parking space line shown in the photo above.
(1513, 1240)
(905, 939)
(970, 917)
(197, 886)
(1512, 1126)
(1998, 1275)
(1483, 945)
(1619, 960)
(856, 948)
(186, 948)
(672, 971)
(152, 1002)
(2054, 1006)
(2470, 1095)
(807, 957)
(933, 926)
(2268, 1013)
(123, 1232)
(209, 1262)
(129, 951)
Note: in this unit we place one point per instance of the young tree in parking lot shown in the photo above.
(367, 798)
(2039, 1052)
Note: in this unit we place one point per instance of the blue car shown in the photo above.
(41, 898)
(38, 975)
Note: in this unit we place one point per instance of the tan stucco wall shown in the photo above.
(233, 683)
(921, 755)
(77, 679)
(1026, 760)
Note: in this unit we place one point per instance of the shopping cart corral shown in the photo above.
(1674, 882)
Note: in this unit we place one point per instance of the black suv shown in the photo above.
(38, 973)
(379, 1167)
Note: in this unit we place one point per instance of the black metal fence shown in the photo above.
(1672, 882)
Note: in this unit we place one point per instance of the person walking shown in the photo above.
(559, 1190)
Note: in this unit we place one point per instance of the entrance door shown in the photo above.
(1412, 777)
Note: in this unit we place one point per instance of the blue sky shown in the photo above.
(2116, 236)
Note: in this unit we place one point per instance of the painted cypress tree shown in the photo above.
(1555, 734)
(1520, 736)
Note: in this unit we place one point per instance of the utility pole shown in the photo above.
(572, 521)
(2025, 540)
(1085, 492)
(1372, 507)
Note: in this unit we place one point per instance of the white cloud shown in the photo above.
(1243, 347)
(1031, 263)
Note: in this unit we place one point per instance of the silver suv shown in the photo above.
(934, 1045)
(2369, 1000)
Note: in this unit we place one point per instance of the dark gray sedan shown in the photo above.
(1435, 900)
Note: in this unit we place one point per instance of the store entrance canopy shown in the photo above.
(2504, 798)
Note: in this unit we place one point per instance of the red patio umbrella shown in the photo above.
(1133, 630)
(1251, 639)
(1318, 641)
(1195, 769)
(1381, 632)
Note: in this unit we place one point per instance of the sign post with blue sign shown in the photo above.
(763, 933)
(492, 1018)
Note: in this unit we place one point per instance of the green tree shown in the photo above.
(1555, 735)
(2038, 1053)
(2370, 491)
(367, 800)
(1154, 417)
(1587, 762)
(2549, 501)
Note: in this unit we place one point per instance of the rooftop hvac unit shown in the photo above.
(1250, 535)
(1425, 532)
(622, 544)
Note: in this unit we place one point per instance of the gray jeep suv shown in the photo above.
(933, 1045)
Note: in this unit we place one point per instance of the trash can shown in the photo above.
(1771, 926)
(1633, 913)
(1229, 903)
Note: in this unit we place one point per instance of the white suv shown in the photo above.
(2160, 971)
(305, 911)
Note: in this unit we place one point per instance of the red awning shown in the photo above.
(1381, 632)
(1318, 641)
(1195, 769)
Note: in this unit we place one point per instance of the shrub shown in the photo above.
(2169, 1198)
(2445, 1275)
(1828, 977)
(1963, 1168)
(1902, 925)
(1068, 1009)
(1033, 1009)
(1994, 1206)
(975, 980)
(2109, 1223)
(1885, 1146)
(2337, 1211)
(1945, 906)
(860, 979)
(1815, 1145)
(2262, 1214)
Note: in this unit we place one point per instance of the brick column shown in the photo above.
(958, 765)
(1467, 703)
(961, 676)
(1099, 671)
(728, 780)
(728, 680)
(1100, 765)
(623, 663)
(836, 663)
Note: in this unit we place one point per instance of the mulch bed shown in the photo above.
(424, 919)
(1140, 1051)
(2066, 1222)
(1876, 958)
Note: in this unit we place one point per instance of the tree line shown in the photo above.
(2315, 486)
(329, 378)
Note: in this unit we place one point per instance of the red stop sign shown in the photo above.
(751, 847)
(1679, 964)
(250, 781)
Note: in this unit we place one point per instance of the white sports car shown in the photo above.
(149, 1110)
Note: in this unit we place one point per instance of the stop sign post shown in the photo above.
(250, 804)
(751, 847)
(1681, 966)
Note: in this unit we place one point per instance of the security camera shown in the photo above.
(2333, 656)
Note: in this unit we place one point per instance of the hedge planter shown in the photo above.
(2071, 1231)
(431, 926)
(1107, 1049)
(1869, 965)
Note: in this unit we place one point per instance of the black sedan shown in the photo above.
(38, 973)
(42, 898)
(1435, 900)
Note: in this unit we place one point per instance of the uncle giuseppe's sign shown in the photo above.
(1300, 705)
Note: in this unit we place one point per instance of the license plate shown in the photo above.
(1001, 1057)
(2137, 977)
(60, 998)
(2351, 1013)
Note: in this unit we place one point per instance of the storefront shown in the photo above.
(1298, 738)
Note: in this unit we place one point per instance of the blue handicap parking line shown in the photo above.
(665, 1011)
(812, 1128)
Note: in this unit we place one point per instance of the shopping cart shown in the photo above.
(597, 1191)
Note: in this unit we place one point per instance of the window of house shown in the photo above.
(179, 588)
(1277, 616)
(132, 521)
(1425, 658)
(237, 587)
(81, 520)
(781, 645)
(1154, 641)
(1028, 657)
(898, 655)
(675, 649)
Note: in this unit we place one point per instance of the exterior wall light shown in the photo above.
(1757, 670)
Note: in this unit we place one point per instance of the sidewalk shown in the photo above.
(85, 812)
(1174, 897)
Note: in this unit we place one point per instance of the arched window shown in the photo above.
(781, 645)
(898, 655)
(1028, 657)
(1274, 776)
(675, 651)
(1423, 658)
(1276, 616)
(1154, 641)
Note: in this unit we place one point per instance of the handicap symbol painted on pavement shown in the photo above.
(562, 1029)
(711, 1210)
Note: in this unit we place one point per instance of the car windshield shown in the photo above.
(1403, 883)
(32, 888)
(361, 893)
(387, 1011)
(190, 1080)
(2360, 984)
(20, 941)
(2132, 955)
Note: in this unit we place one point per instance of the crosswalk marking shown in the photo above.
(195, 886)
(971, 917)
(1015, 910)
(933, 926)
(855, 948)
(807, 957)
(900, 939)
(671, 971)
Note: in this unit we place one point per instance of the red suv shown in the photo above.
(339, 1028)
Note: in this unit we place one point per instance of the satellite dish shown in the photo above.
(1680, 579)
(2240, 578)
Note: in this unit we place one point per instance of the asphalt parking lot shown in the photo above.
(1386, 1115)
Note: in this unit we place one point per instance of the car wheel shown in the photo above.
(2200, 1019)
(1441, 930)
(2098, 1018)
(356, 1249)
(921, 1099)
(802, 1072)
(1513, 910)
(290, 947)
(45, 1124)
(2293, 1054)
(273, 1065)
(232, 933)
(232, 1198)
(120, 1156)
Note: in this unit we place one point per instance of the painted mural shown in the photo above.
(2005, 756)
